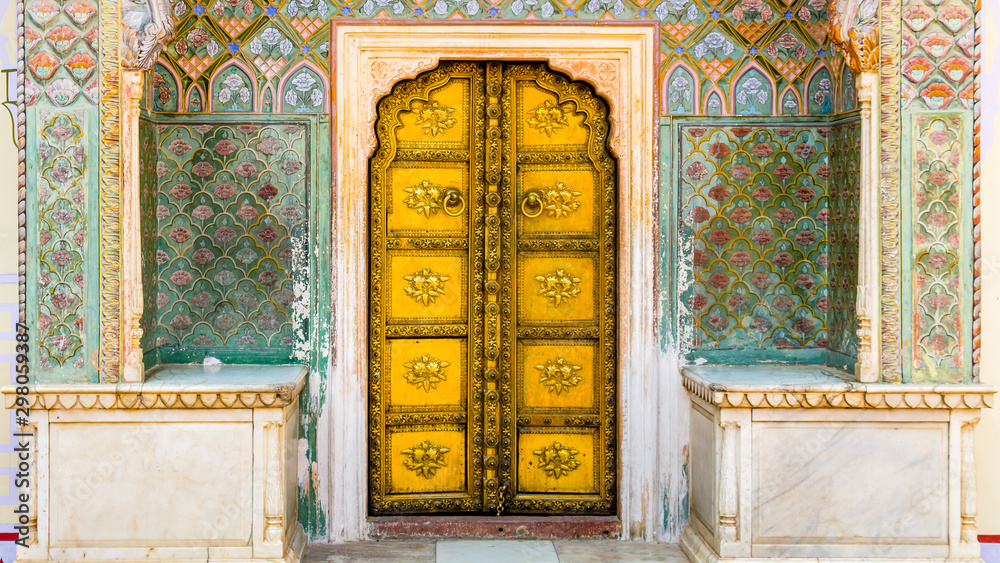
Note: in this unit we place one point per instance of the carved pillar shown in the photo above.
(968, 534)
(869, 285)
(273, 510)
(854, 31)
(728, 485)
(131, 242)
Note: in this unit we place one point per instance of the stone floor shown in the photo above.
(495, 551)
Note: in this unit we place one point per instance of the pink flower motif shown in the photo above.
(718, 324)
(202, 300)
(738, 303)
(823, 260)
(203, 256)
(224, 234)
(783, 259)
(696, 132)
(62, 257)
(805, 281)
(718, 193)
(805, 150)
(938, 137)
(269, 146)
(179, 234)
(697, 302)
(62, 300)
(162, 212)
(762, 193)
(290, 212)
(783, 131)
(787, 40)
(805, 238)
(161, 258)
(246, 129)
(783, 303)
(762, 237)
(225, 147)
(202, 212)
(718, 280)
(246, 169)
(937, 260)
(719, 237)
(267, 191)
(823, 304)
(760, 325)
(784, 215)
(180, 321)
(44, 237)
(267, 278)
(202, 169)
(740, 259)
(699, 258)
(805, 194)
(938, 219)
(804, 14)
(719, 150)
(246, 213)
(784, 171)
(740, 172)
(823, 172)
(699, 214)
(267, 234)
(224, 191)
(741, 131)
(741, 215)
(761, 281)
(823, 216)
(697, 171)
(162, 300)
(762, 150)
(803, 325)
(181, 277)
(938, 177)
(44, 322)
(938, 300)
(179, 147)
(61, 174)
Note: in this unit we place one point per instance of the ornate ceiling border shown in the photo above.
(890, 146)
(620, 62)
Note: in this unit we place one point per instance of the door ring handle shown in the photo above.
(451, 194)
(532, 199)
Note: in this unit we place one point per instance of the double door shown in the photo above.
(492, 295)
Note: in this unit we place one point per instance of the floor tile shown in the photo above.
(385, 551)
(496, 551)
(608, 551)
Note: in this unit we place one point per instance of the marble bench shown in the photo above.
(196, 463)
(802, 462)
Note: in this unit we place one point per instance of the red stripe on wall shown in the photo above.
(11, 536)
(989, 539)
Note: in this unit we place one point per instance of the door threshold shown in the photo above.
(523, 526)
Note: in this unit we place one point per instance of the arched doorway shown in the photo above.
(492, 297)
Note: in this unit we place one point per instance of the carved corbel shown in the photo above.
(854, 31)
(147, 27)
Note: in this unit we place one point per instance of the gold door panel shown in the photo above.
(553, 461)
(492, 295)
(427, 286)
(426, 374)
(557, 288)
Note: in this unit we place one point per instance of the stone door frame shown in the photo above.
(620, 61)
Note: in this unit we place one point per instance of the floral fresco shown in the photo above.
(61, 52)
(231, 213)
(764, 241)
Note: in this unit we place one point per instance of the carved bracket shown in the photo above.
(147, 27)
(854, 31)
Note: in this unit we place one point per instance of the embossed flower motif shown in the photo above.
(284, 297)
(823, 172)
(762, 193)
(62, 216)
(937, 260)
(180, 191)
(741, 131)
(717, 323)
(425, 458)
(180, 321)
(425, 372)
(805, 281)
(718, 280)
(740, 215)
(549, 117)
(719, 150)
(62, 300)
(425, 286)
(179, 234)
(433, 117)
(783, 259)
(740, 172)
(247, 213)
(247, 300)
(805, 238)
(805, 150)
(267, 321)
(557, 460)
(805, 194)
(696, 132)
(760, 325)
(267, 278)
(739, 303)
(425, 197)
(246, 129)
(783, 131)
(246, 169)
(224, 234)
(784, 171)
(784, 215)
(290, 166)
(225, 147)
(718, 193)
(823, 304)
(202, 300)
(783, 303)
(179, 147)
(699, 258)
(740, 259)
(181, 277)
(558, 286)
(267, 191)
(61, 174)
(803, 325)
(761, 281)
(762, 150)
(937, 219)
(224, 191)
(267, 234)
(269, 146)
(202, 169)
(699, 214)
(44, 322)
(938, 300)
(202, 212)
(203, 256)
(719, 237)
(78, 280)
(938, 177)
(225, 277)
(162, 300)
(762, 237)
(697, 302)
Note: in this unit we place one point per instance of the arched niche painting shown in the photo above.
(165, 96)
(713, 104)
(303, 92)
(680, 94)
(790, 104)
(753, 94)
(848, 94)
(232, 91)
(820, 92)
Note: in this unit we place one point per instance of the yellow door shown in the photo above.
(492, 295)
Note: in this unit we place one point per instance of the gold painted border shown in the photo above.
(889, 147)
(109, 108)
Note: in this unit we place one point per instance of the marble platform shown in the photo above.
(802, 462)
(196, 463)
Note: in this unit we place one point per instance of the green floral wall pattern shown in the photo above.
(232, 210)
(769, 216)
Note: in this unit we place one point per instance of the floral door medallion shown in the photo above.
(492, 295)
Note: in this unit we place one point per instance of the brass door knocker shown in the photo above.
(452, 195)
(532, 200)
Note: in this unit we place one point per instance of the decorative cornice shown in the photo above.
(854, 31)
(840, 395)
(147, 27)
